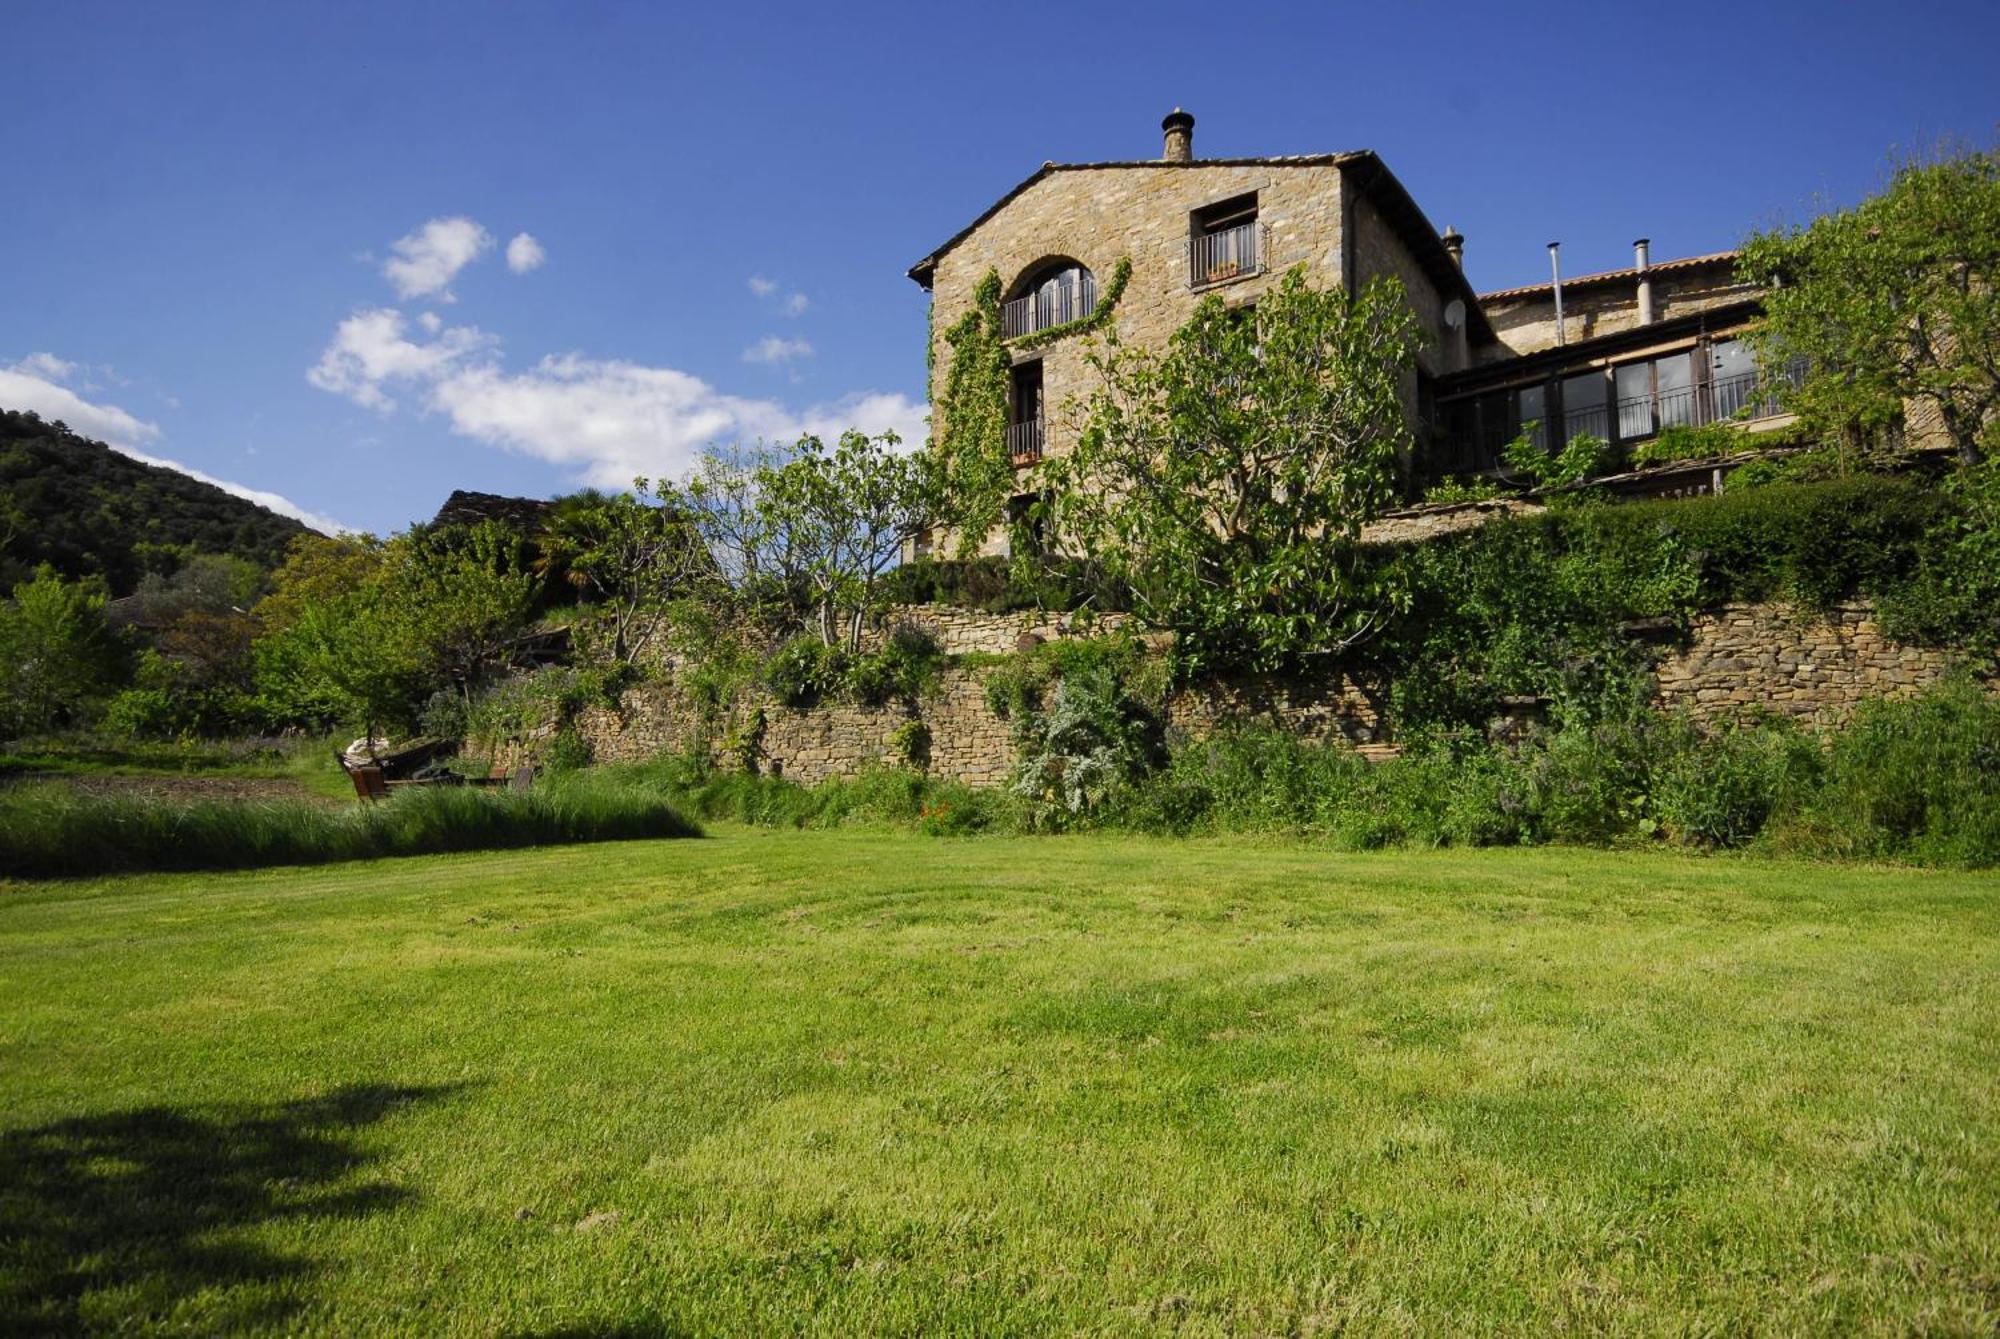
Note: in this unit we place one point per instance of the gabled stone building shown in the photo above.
(1634, 349)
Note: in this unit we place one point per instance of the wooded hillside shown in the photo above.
(85, 508)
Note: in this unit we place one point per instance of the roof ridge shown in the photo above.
(1601, 276)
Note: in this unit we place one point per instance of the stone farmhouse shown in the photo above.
(1618, 355)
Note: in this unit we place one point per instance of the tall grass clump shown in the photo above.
(51, 831)
(878, 796)
(1916, 779)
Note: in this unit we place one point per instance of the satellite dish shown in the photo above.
(1454, 314)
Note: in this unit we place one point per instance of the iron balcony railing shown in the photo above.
(1745, 395)
(1225, 254)
(1050, 305)
(1024, 441)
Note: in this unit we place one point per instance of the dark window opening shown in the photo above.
(1027, 526)
(1224, 241)
(1024, 412)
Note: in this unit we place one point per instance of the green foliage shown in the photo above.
(1685, 441)
(907, 665)
(53, 831)
(969, 434)
(1448, 491)
(1225, 481)
(911, 743)
(744, 741)
(1893, 301)
(844, 513)
(1916, 779)
(1016, 683)
(85, 509)
(1534, 605)
(1582, 458)
(804, 670)
(630, 556)
(878, 797)
(1953, 598)
(1086, 745)
(58, 655)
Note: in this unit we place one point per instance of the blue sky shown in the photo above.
(199, 255)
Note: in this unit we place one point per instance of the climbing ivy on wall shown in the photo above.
(972, 443)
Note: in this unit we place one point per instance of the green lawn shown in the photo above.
(861, 1082)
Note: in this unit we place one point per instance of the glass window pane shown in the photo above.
(1675, 378)
(1635, 400)
(1583, 405)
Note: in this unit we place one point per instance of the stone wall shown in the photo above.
(1745, 656)
(971, 631)
(1738, 657)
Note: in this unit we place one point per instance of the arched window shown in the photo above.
(1055, 292)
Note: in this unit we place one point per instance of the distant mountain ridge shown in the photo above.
(84, 508)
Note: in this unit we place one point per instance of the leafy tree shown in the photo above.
(804, 537)
(1225, 481)
(630, 555)
(1894, 303)
(57, 652)
(457, 598)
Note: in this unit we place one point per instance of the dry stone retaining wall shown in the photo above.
(1739, 657)
(1815, 667)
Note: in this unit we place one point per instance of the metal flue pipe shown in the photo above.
(1556, 277)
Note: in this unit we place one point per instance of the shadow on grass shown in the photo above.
(115, 1220)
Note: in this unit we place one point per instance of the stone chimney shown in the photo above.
(1454, 245)
(1180, 137)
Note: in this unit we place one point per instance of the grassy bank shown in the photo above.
(858, 1082)
(52, 830)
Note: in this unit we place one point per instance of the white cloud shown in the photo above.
(428, 259)
(605, 419)
(775, 349)
(46, 366)
(792, 304)
(27, 385)
(430, 321)
(524, 253)
(371, 349)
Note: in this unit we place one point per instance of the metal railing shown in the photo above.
(1024, 441)
(1054, 304)
(1225, 254)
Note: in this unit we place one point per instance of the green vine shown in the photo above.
(1121, 274)
(972, 439)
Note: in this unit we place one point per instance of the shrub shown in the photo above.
(1087, 744)
(911, 743)
(804, 670)
(1915, 779)
(1685, 441)
(907, 665)
(1721, 789)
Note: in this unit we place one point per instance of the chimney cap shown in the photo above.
(1178, 120)
(1452, 234)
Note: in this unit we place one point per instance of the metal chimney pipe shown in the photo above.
(1642, 261)
(1454, 245)
(1556, 274)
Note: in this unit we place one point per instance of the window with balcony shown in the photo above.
(1224, 241)
(1056, 293)
(1024, 413)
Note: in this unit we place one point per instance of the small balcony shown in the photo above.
(1024, 442)
(1225, 254)
(1071, 296)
